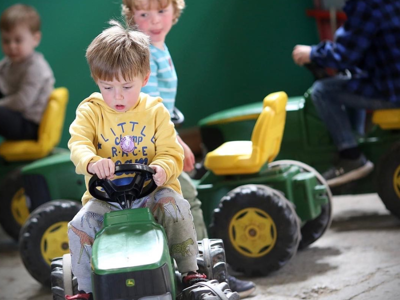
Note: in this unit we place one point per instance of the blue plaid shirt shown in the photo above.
(368, 44)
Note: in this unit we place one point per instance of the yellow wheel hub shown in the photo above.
(396, 181)
(252, 232)
(54, 241)
(19, 208)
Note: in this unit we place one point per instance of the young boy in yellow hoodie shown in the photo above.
(155, 18)
(119, 63)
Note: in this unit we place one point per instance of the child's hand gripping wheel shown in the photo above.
(124, 190)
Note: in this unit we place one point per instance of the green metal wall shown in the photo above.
(226, 53)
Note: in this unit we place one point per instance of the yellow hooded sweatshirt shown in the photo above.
(97, 130)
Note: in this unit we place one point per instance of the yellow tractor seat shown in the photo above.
(247, 157)
(387, 118)
(49, 134)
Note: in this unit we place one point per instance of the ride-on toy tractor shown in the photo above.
(306, 139)
(16, 154)
(264, 210)
(130, 254)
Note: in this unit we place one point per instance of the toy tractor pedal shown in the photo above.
(140, 266)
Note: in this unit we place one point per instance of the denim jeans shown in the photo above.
(331, 98)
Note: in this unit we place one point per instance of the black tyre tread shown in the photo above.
(211, 259)
(57, 284)
(280, 210)
(312, 230)
(32, 232)
(207, 291)
(10, 185)
(387, 166)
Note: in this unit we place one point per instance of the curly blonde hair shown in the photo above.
(130, 6)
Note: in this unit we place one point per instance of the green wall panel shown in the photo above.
(226, 53)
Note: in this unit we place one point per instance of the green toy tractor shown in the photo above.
(16, 154)
(263, 210)
(306, 139)
(130, 254)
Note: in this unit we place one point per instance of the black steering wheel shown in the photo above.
(124, 190)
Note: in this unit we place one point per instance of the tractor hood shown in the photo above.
(130, 240)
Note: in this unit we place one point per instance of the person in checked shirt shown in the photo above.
(367, 45)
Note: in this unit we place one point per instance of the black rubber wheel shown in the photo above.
(388, 179)
(44, 237)
(57, 280)
(14, 210)
(211, 259)
(210, 290)
(312, 230)
(259, 227)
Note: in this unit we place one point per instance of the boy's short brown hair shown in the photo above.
(19, 14)
(119, 51)
(130, 6)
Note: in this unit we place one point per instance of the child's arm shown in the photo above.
(188, 161)
(81, 143)
(169, 153)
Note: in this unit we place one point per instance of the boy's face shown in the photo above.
(19, 43)
(155, 22)
(122, 95)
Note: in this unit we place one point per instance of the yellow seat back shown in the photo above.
(49, 133)
(387, 118)
(268, 131)
(246, 157)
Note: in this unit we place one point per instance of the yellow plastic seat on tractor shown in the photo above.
(49, 134)
(247, 157)
(387, 118)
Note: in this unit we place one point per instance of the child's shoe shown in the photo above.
(193, 278)
(242, 287)
(80, 296)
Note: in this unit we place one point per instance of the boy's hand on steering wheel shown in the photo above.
(103, 168)
(160, 177)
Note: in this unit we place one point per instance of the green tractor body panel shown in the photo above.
(302, 189)
(47, 174)
(129, 248)
(305, 138)
(6, 167)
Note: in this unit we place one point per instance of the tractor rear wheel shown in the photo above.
(211, 259)
(312, 230)
(44, 237)
(14, 209)
(259, 227)
(58, 286)
(388, 180)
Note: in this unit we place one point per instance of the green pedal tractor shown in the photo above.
(14, 155)
(130, 254)
(263, 210)
(307, 139)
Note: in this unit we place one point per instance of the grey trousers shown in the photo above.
(170, 210)
(190, 194)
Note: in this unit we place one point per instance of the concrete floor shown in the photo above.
(358, 259)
